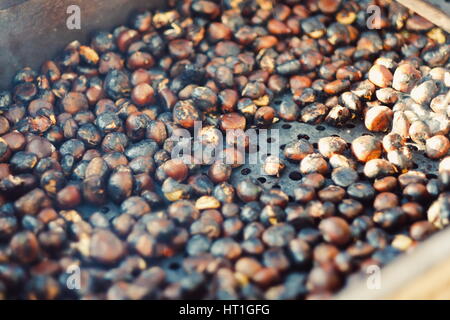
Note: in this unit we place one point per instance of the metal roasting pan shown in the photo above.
(33, 31)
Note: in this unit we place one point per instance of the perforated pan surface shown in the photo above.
(287, 181)
(292, 131)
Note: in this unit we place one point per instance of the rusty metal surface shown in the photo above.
(34, 30)
(5, 4)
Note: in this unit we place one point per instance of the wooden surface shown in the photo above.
(435, 11)
(33, 31)
(423, 273)
(433, 284)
